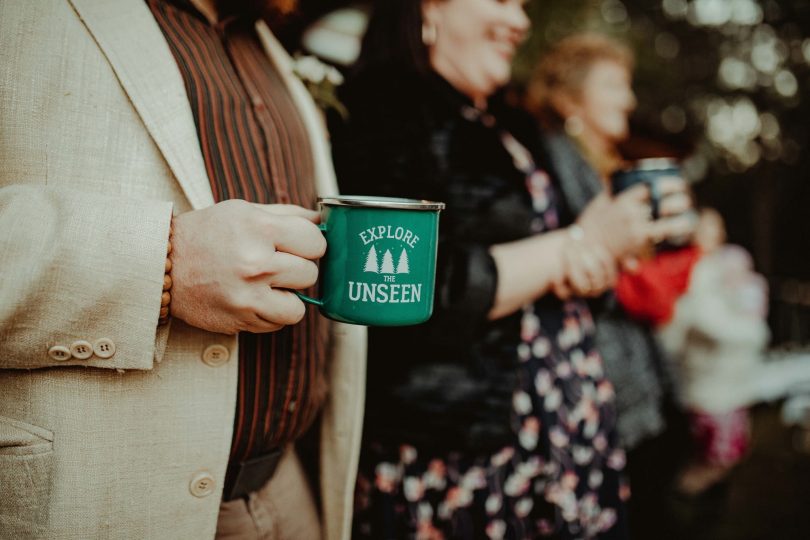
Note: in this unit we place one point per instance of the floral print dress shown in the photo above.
(561, 478)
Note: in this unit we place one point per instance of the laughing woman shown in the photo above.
(494, 419)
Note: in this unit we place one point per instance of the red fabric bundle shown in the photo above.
(649, 294)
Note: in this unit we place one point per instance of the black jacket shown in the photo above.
(448, 383)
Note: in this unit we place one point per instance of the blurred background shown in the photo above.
(723, 85)
(719, 84)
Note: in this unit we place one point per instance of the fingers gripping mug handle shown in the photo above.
(655, 199)
(302, 296)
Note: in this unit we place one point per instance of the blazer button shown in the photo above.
(104, 348)
(202, 484)
(81, 349)
(215, 355)
(59, 353)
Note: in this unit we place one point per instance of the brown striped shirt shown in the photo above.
(255, 148)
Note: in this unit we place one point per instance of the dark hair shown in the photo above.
(394, 37)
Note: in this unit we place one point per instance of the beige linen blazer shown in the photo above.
(97, 148)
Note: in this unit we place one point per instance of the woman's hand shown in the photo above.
(677, 217)
(589, 268)
(621, 224)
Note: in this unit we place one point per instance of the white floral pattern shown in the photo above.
(562, 475)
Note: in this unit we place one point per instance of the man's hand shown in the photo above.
(232, 262)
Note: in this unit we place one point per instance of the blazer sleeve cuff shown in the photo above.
(81, 276)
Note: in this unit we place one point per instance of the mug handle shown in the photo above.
(302, 296)
(308, 300)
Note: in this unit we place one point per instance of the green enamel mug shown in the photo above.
(380, 263)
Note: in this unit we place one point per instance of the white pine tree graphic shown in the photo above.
(402, 266)
(388, 263)
(371, 261)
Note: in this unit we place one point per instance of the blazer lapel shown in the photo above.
(132, 41)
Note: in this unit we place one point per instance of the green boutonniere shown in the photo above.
(321, 80)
